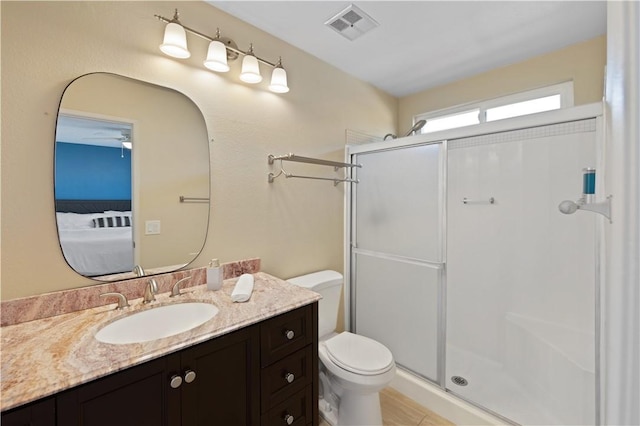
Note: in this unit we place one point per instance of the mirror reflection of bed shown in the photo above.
(95, 235)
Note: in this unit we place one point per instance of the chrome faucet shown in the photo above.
(139, 271)
(122, 300)
(175, 290)
(150, 291)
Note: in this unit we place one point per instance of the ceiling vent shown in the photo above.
(352, 22)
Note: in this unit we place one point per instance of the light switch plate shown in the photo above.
(152, 227)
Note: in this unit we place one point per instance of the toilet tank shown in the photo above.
(329, 285)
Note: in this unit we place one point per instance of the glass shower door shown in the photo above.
(396, 253)
(521, 275)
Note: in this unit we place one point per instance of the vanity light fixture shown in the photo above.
(279, 79)
(217, 55)
(221, 50)
(175, 39)
(250, 68)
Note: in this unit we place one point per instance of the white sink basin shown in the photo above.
(156, 323)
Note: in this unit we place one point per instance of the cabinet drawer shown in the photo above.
(298, 407)
(286, 377)
(285, 334)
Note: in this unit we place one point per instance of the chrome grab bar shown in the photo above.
(470, 201)
(184, 199)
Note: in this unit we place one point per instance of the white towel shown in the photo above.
(242, 290)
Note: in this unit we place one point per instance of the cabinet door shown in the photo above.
(226, 386)
(40, 413)
(137, 396)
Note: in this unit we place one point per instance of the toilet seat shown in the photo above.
(359, 354)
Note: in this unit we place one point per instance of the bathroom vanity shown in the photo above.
(254, 363)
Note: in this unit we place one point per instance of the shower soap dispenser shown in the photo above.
(587, 201)
(214, 275)
(588, 185)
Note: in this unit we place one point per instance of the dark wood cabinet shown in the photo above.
(259, 375)
(39, 413)
(298, 409)
(137, 396)
(224, 391)
(289, 374)
(211, 383)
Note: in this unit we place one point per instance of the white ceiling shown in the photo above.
(423, 44)
(88, 131)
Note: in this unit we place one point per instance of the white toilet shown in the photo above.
(353, 368)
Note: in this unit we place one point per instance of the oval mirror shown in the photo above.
(131, 177)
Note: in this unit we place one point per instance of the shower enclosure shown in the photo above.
(460, 262)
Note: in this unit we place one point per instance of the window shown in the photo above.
(524, 103)
(452, 121)
(547, 103)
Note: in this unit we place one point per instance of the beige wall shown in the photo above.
(583, 63)
(295, 226)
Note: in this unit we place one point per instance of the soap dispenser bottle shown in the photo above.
(214, 275)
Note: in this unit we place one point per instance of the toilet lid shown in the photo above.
(359, 354)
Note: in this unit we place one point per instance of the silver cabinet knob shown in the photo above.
(289, 334)
(288, 419)
(175, 381)
(289, 377)
(189, 376)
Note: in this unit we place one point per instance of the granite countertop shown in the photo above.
(46, 356)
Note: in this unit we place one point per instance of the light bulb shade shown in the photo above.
(217, 57)
(250, 70)
(279, 81)
(175, 41)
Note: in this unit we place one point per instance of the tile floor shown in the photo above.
(398, 410)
